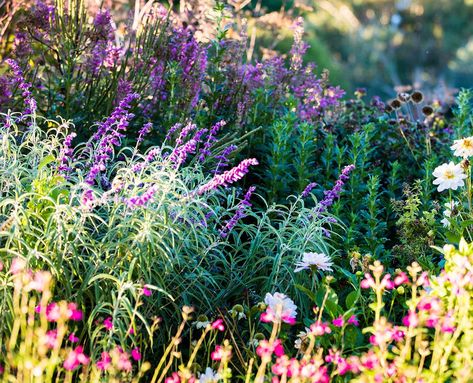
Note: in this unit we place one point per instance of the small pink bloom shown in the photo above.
(108, 323)
(174, 378)
(135, 354)
(278, 348)
(319, 328)
(52, 312)
(218, 324)
(131, 331)
(368, 282)
(448, 324)
(338, 322)
(387, 282)
(50, 339)
(411, 319)
(353, 320)
(401, 279)
(146, 291)
(73, 338)
(17, 265)
(218, 353)
(75, 358)
(124, 362)
(73, 312)
(105, 361)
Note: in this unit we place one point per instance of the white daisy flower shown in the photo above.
(209, 376)
(463, 148)
(449, 176)
(314, 261)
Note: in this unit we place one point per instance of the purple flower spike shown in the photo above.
(19, 80)
(308, 189)
(240, 213)
(228, 177)
(334, 193)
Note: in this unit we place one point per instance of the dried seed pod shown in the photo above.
(417, 97)
(388, 109)
(395, 104)
(427, 110)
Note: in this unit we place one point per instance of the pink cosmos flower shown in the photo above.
(17, 265)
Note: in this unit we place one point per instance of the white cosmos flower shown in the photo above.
(463, 148)
(317, 261)
(209, 376)
(449, 176)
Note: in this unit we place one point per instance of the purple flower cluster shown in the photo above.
(5, 89)
(228, 177)
(24, 86)
(180, 153)
(334, 193)
(143, 199)
(88, 199)
(308, 189)
(39, 19)
(109, 135)
(22, 46)
(66, 154)
(239, 214)
(144, 131)
(223, 157)
(211, 138)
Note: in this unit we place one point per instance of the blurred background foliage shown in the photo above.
(384, 44)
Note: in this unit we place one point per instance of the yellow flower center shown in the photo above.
(449, 175)
(468, 144)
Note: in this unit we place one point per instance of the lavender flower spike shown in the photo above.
(240, 213)
(228, 177)
(308, 189)
(334, 193)
(30, 102)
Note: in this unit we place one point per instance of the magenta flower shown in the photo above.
(338, 322)
(74, 313)
(218, 325)
(72, 338)
(108, 323)
(411, 319)
(135, 354)
(353, 320)
(319, 328)
(146, 291)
